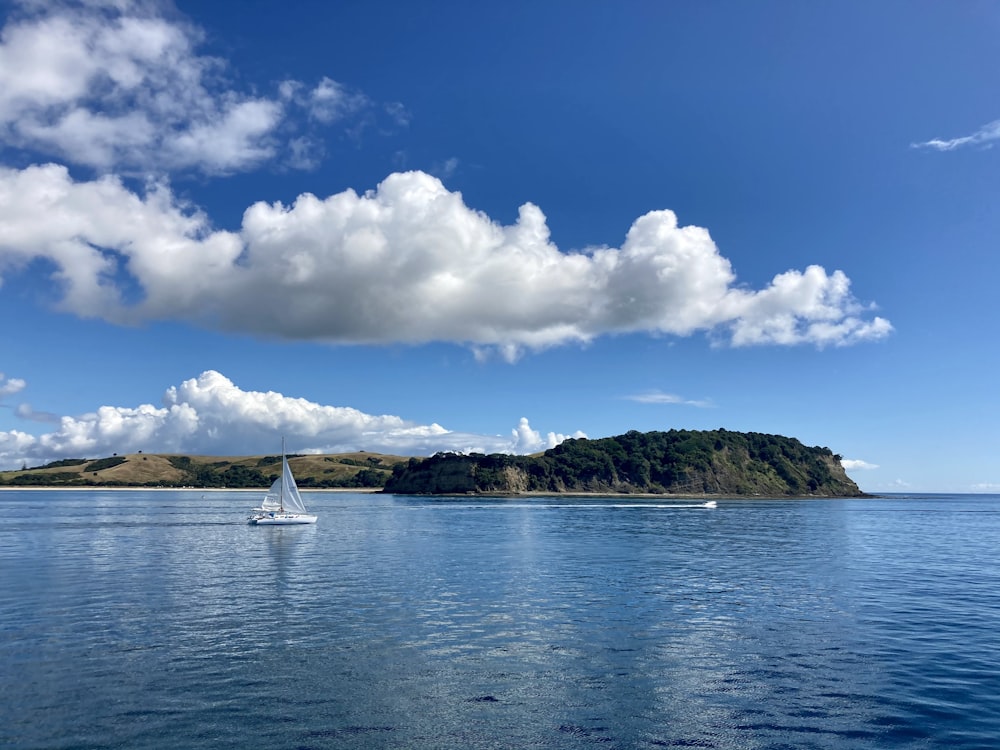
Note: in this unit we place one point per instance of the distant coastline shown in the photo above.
(357, 471)
(683, 464)
(119, 488)
(636, 496)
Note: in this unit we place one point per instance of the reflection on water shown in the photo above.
(145, 619)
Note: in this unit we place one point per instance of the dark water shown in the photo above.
(158, 619)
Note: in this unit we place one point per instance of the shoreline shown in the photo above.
(500, 495)
(639, 496)
(92, 487)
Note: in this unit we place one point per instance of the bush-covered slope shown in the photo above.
(715, 462)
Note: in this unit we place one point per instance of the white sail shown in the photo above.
(291, 500)
(272, 500)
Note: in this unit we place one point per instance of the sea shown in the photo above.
(160, 619)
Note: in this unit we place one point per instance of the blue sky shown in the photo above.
(408, 227)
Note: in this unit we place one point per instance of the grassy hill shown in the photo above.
(359, 469)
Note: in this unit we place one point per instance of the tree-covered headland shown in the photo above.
(679, 462)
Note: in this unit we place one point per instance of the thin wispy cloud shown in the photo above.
(982, 137)
(398, 113)
(330, 101)
(211, 415)
(24, 411)
(659, 397)
(446, 169)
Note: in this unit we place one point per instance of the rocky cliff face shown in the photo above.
(676, 462)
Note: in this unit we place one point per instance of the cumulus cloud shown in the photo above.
(121, 86)
(210, 415)
(982, 137)
(850, 464)
(527, 440)
(407, 262)
(658, 397)
(118, 85)
(10, 386)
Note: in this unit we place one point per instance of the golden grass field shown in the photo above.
(137, 469)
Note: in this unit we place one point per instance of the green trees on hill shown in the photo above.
(41, 480)
(677, 461)
(62, 463)
(105, 463)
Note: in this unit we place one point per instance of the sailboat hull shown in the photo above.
(280, 519)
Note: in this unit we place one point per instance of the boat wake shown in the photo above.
(578, 506)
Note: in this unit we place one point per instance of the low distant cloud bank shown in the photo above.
(989, 487)
(851, 464)
(210, 415)
(407, 262)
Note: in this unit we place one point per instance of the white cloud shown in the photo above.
(408, 262)
(10, 386)
(527, 440)
(984, 136)
(658, 397)
(802, 307)
(210, 415)
(330, 101)
(121, 86)
(850, 464)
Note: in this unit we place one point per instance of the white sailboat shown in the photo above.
(282, 505)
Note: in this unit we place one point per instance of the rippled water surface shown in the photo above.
(159, 619)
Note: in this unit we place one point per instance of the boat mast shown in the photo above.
(281, 492)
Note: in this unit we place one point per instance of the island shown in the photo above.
(676, 462)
